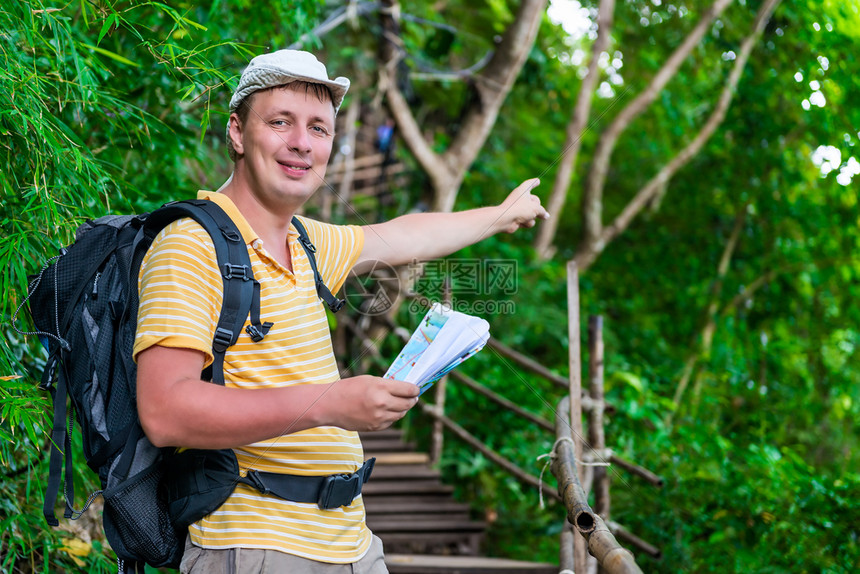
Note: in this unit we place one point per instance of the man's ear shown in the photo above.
(236, 134)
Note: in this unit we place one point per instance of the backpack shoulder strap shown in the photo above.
(324, 293)
(241, 290)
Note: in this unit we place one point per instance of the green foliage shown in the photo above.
(120, 107)
(761, 460)
(104, 107)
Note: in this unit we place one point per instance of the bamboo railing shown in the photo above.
(598, 533)
(610, 555)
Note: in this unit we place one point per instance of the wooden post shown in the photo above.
(580, 551)
(614, 558)
(349, 141)
(565, 551)
(441, 385)
(596, 434)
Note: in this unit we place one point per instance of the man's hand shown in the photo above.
(521, 208)
(368, 403)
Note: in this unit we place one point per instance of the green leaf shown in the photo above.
(111, 55)
(109, 21)
(630, 379)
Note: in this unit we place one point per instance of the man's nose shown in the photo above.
(299, 140)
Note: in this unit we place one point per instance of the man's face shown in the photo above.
(285, 142)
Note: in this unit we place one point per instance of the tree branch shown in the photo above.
(407, 126)
(592, 201)
(706, 337)
(573, 134)
(338, 17)
(446, 171)
(591, 248)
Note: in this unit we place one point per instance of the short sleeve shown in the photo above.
(180, 291)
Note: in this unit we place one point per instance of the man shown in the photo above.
(284, 408)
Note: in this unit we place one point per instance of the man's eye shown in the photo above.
(320, 130)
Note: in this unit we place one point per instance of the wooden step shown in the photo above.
(420, 518)
(372, 487)
(387, 445)
(422, 564)
(407, 524)
(403, 472)
(386, 434)
(439, 543)
(400, 458)
(385, 505)
(409, 507)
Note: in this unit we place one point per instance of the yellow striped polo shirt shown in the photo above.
(181, 292)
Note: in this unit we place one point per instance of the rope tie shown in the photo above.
(552, 455)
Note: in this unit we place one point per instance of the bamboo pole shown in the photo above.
(527, 363)
(502, 401)
(437, 441)
(610, 555)
(634, 468)
(633, 540)
(533, 366)
(596, 434)
(565, 551)
(575, 391)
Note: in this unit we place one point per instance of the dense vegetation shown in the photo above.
(737, 283)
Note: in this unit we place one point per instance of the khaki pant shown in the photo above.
(198, 560)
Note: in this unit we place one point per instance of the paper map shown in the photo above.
(443, 339)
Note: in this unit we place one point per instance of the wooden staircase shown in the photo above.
(423, 529)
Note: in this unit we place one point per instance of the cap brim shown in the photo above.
(275, 77)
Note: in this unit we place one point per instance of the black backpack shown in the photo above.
(84, 307)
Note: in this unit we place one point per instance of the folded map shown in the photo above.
(444, 339)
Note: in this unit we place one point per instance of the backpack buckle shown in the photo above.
(258, 333)
(307, 244)
(223, 339)
(230, 271)
(339, 490)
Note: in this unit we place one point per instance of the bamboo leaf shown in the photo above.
(111, 55)
(193, 23)
(109, 21)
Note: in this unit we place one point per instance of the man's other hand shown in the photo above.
(521, 208)
(368, 403)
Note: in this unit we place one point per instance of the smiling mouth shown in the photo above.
(295, 167)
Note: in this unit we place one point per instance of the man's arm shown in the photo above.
(177, 408)
(426, 236)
